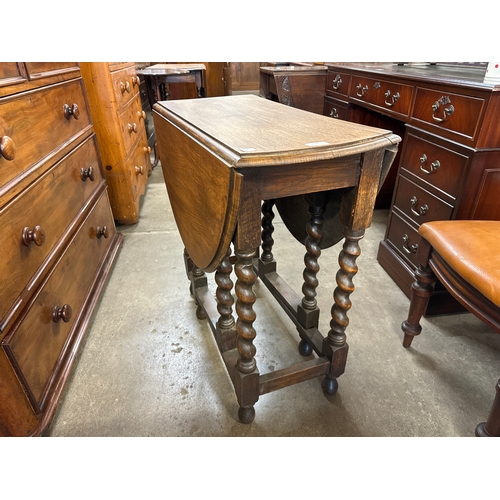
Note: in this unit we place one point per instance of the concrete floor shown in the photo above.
(148, 367)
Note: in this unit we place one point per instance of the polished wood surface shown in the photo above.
(450, 153)
(222, 157)
(115, 106)
(59, 237)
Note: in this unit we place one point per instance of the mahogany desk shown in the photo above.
(222, 157)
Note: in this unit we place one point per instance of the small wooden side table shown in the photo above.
(222, 157)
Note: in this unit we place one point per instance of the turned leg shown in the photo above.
(267, 263)
(421, 291)
(491, 428)
(308, 311)
(336, 339)
(197, 279)
(248, 385)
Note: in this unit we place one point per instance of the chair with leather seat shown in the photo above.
(465, 256)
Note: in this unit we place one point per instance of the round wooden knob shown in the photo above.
(147, 150)
(71, 111)
(101, 231)
(135, 80)
(141, 115)
(125, 87)
(63, 313)
(35, 235)
(139, 170)
(7, 148)
(87, 174)
(132, 127)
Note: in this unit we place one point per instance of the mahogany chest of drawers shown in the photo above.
(58, 237)
(449, 164)
(113, 92)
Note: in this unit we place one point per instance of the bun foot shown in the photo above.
(329, 386)
(246, 415)
(305, 348)
(200, 313)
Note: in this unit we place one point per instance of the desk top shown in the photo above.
(276, 70)
(248, 131)
(170, 69)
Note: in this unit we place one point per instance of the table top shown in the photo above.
(274, 70)
(252, 131)
(171, 69)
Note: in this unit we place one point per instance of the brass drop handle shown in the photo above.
(87, 174)
(394, 98)
(337, 82)
(412, 248)
(65, 312)
(448, 111)
(139, 170)
(334, 113)
(125, 87)
(35, 235)
(101, 231)
(433, 166)
(363, 90)
(147, 150)
(7, 148)
(132, 128)
(421, 211)
(141, 115)
(71, 111)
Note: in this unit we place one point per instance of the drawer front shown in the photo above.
(420, 205)
(44, 69)
(459, 114)
(403, 238)
(139, 168)
(11, 73)
(125, 85)
(31, 225)
(337, 83)
(436, 165)
(39, 340)
(132, 124)
(335, 109)
(390, 96)
(34, 124)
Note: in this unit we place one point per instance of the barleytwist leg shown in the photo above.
(246, 364)
(421, 291)
(336, 338)
(267, 230)
(308, 311)
(223, 294)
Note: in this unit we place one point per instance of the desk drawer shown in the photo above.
(132, 124)
(335, 108)
(420, 205)
(403, 238)
(337, 84)
(51, 204)
(390, 96)
(436, 165)
(36, 344)
(125, 85)
(34, 124)
(456, 113)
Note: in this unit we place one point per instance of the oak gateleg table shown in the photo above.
(227, 163)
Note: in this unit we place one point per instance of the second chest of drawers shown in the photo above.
(119, 122)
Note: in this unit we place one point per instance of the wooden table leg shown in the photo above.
(491, 428)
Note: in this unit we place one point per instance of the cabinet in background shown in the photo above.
(113, 92)
(58, 237)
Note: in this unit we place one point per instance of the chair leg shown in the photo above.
(421, 291)
(491, 428)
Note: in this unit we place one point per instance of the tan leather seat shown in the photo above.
(472, 249)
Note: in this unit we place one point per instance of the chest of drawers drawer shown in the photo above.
(125, 85)
(139, 168)
(438, 166)
(33, 223)
(337, 84)
(457, 116)
(36, 344)
(35, 124)
(394, 98)
(420, 205)
(132, 124)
